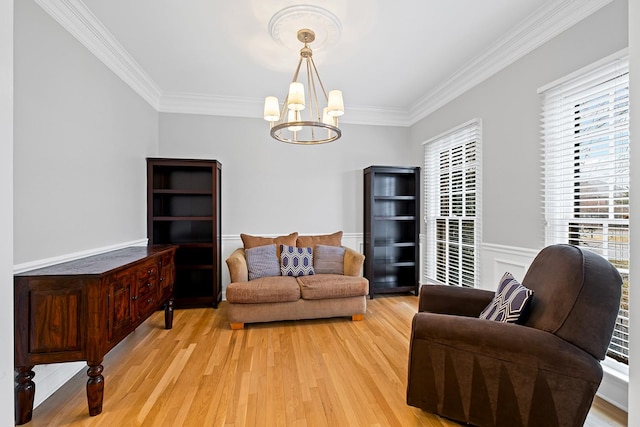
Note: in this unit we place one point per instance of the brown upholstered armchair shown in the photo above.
(544, 372)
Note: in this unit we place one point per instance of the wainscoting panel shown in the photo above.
(495, 260)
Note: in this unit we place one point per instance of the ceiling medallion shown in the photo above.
(285, 24)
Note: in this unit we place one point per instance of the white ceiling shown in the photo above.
(395, 61)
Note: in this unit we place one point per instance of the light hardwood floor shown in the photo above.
(331, 372)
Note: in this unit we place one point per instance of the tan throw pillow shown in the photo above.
(334, 239)
(254, 241)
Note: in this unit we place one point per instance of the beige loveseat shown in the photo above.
(281, 297)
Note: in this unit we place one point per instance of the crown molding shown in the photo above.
(78, 20)
(550, 20)
(547, 22)
(211, 105)
(230, 106)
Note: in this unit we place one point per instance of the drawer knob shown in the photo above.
(134, 298)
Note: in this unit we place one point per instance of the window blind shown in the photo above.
(452, 206)
(585, 130)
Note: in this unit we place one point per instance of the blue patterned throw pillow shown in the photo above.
(509, 303)
(296, 261)
(262, 262)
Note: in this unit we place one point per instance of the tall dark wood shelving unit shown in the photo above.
(392, 229)
(183, 208)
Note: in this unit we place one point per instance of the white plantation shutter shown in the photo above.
(452, 206)
(585, 129)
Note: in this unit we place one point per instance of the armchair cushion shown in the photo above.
(510, 303)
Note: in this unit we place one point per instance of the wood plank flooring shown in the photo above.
(330, 372)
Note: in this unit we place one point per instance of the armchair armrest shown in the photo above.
(353, 262)
(237, 264)
(454, 300)
(506, 342)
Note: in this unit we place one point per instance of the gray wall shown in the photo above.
(270, 187)
(509, 107)
(81, 137)
(6, 212)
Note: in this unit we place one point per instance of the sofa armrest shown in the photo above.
(237, 264)
(454, 300)
(353, 262)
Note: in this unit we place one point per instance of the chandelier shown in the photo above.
(319, 123)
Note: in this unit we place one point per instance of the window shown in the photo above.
(585, 124)
(452, 206)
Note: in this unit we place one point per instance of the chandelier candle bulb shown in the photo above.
(294, 116)
(327, 119)
(271, 109)
(336, 105)
(296, 96)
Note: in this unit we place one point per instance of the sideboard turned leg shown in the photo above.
(95, 388)
(168, 314)
(25, 391)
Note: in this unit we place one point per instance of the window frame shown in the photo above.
(585, 124)
(451, 264)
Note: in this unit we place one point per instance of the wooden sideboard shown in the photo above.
(79, 310)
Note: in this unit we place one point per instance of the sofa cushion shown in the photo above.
(264, 289)
(296, 261)
(262, 262)
(334, 239)
(510, 302)
(328, 259)
(250, 241)
(325, 286)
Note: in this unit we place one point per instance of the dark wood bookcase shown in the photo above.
(392, 229)
(183, 208)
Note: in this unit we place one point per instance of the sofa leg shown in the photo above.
(236, 326)
(357, 317)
